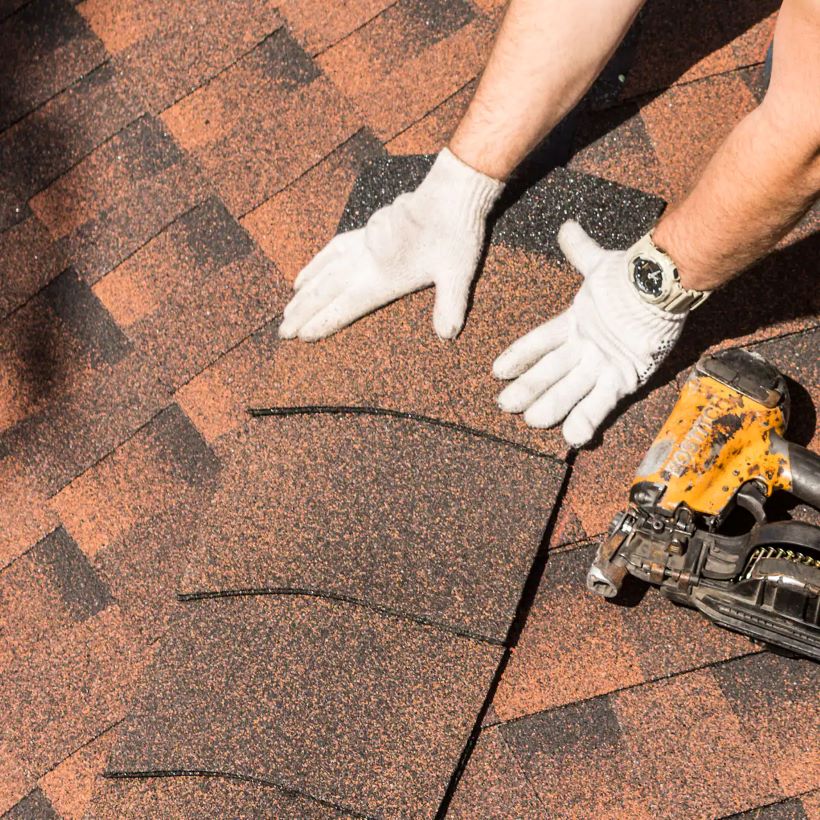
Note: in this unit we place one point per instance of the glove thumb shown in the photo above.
(582, 251)
(451, 306)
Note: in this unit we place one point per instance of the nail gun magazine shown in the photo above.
(723, 449)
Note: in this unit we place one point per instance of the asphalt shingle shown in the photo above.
(362, 710)
(433, 522)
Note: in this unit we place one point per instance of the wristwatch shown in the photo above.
(655, 279)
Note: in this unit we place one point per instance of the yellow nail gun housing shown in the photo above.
(722, 447)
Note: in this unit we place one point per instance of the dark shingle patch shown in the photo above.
(379, 183)
(214, 236)
(71, 574)
(529, 215)
(73, 301)
(147, 148)
(577, 761)
(575, 730)
(285, 61)
(193, 460)
(34, 806)
(786, 810)
(493, 785)
(442, 19)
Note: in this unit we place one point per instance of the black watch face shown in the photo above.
(647, 276)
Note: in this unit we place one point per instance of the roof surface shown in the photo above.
(349, 612)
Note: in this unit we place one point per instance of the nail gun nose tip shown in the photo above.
(598, 583)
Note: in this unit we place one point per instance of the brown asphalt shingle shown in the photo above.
(50, 588)
(46, 46)
(317, 24)
(262, 123)
(577, 761)
(709, 766)
(101, 184)
(119, 197)
(615, 756)
(50, 140)
(679, 42)
(71, 687)
(174, 797)
(362, 710)
(524, 280)
(684, 141)
(164, 463)
(152, 43)
(29, 260)
(295, 224)
(34, 806)
(193, 292)
(774, 698)
(432, 522)
(69, 785)
(76, 386)
(576, 645)
(494, 785)
(381, 62)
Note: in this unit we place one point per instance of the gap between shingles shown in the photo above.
(367, 22)
(514, 633)
(156, 773)
(339, 598)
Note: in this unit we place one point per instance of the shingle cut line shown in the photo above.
(335, 596)
(318, 409)
(115, 775)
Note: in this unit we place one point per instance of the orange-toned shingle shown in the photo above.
(417, 52)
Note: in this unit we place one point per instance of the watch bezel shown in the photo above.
(665, 285)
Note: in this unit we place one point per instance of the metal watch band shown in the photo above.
(673, 297)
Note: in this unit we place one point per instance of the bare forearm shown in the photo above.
(765, 175)
(755, 188)
(546, 56)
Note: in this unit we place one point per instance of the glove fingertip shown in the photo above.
(577, 429)
(504, 367)
(447, 328)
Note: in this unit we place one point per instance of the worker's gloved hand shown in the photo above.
(603, 347)
(432, 236)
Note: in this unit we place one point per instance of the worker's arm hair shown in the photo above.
(546, 56)
(765, 176)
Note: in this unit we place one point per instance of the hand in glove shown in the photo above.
(602, 348)
(432, 236)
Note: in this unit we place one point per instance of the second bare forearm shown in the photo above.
(752, 192)
(767, 173)
(546, 56)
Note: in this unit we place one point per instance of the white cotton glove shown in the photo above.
(602, 348)
(431, 236)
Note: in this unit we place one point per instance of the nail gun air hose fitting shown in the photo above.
(805, 470)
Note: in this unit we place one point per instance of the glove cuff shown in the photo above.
(461, 186)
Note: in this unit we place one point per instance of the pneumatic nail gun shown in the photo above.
(722, 448)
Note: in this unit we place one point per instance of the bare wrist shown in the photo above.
(666, 239)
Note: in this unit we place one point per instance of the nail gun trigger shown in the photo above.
(752, 498)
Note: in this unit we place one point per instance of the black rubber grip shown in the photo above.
(805, 467)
